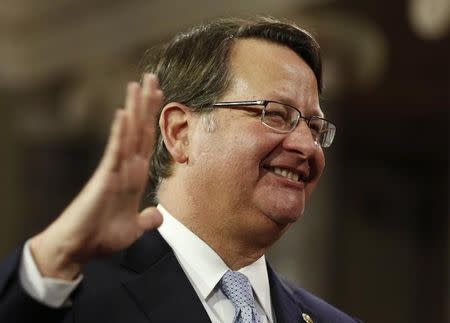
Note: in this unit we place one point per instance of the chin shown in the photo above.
(283, 214)
(283, 211)
(281, 204)
(269, 225)
(285, 217)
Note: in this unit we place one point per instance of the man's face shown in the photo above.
(233, 167)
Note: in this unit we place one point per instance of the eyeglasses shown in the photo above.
(284, 118)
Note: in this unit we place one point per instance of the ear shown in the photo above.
(174, 122)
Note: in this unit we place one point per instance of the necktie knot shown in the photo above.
(238, 290)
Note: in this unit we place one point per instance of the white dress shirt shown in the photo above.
(49, 291)
(202, 265)
(204, 269)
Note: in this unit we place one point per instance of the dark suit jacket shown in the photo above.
(143, 284)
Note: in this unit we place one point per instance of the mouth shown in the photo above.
(293, 175)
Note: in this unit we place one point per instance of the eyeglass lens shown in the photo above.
(285, 118)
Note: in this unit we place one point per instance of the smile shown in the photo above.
(287, 173)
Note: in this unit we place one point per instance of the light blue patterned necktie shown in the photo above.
(238, 289)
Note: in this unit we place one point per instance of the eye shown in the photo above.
(253, 111)
(276, 114)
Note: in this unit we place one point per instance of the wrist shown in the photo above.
(53, 259)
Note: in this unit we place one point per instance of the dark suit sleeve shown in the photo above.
(15, 304)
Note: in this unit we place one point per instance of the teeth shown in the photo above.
(286, 173)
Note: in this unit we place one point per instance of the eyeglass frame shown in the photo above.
(264, 103)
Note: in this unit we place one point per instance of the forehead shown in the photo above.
(264, 70)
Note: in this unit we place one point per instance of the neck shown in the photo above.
(238, 237)
(238, 243)
(235, 252)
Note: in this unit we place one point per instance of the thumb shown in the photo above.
(149, 219)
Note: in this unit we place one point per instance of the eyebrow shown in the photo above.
(285, 100)
(320, 114)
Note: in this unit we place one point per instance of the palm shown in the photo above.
(112, 206)
(105, 217)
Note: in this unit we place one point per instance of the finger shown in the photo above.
(112, 157)
(132, 111)
(152, 98)
(149, 219)
(149, 129)
(134, 180)
(147, 89)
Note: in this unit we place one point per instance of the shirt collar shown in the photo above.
(203, 265)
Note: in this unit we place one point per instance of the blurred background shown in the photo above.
(375, 238)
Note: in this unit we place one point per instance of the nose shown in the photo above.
(301, 141)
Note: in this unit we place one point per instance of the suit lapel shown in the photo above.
(164, 293)
(287, 308)
(161, 288)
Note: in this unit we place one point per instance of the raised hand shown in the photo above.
(104, 217)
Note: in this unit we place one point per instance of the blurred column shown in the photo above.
(10, 180)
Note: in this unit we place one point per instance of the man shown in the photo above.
(238, 152)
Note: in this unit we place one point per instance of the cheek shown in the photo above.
(259, 141)
(246, 144)
(229, 161)
(236, 147)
